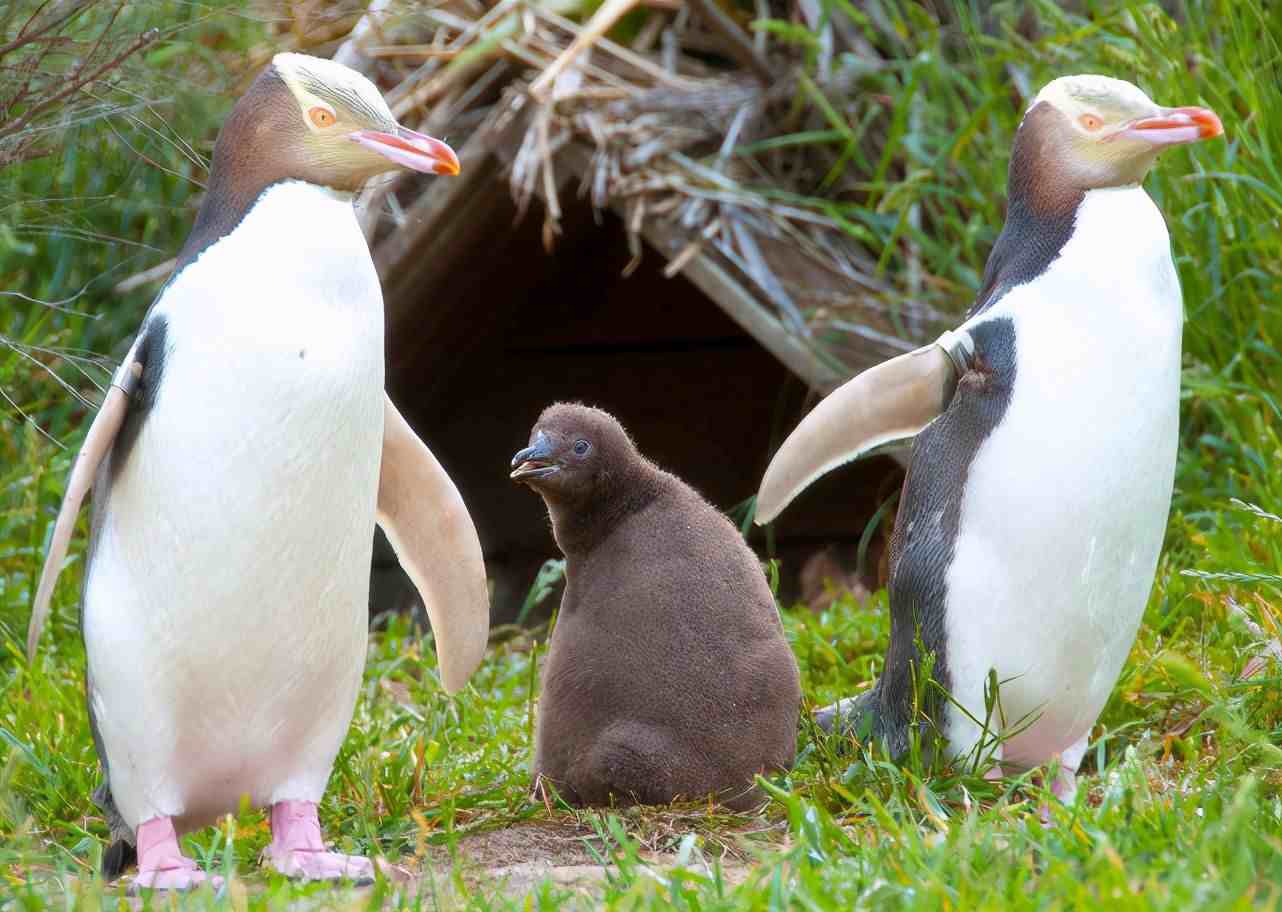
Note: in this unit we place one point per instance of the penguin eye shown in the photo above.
(321, 117)
(581, 447)
(1090, 122)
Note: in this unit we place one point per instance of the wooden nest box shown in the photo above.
(700, 292)
(485, 327)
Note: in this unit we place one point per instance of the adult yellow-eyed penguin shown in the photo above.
(242, 457)
(1037, 494)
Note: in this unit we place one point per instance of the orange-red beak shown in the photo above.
(410, 150)
(1176, 126)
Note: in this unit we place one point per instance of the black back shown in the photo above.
(152, 351)
(1041, 216)
(922, 549)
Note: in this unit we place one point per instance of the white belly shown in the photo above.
(227, 600)
(1066, 502)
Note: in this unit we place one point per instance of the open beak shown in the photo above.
(535, 461)
(410, 150)
(1176, 126)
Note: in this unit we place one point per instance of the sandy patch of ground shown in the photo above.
(514, 860)
(507, 862)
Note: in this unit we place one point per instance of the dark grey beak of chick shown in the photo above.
(534, 461)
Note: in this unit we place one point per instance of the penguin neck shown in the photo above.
(1041, 211)
(259, 146)
(580, 525)
(225, 207)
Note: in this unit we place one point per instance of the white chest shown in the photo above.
(293, 283)
(1066, 501)
(226, 605)
(273, 374)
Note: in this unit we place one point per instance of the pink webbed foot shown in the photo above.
(1064, 787)
(298, 851)
(162, 865)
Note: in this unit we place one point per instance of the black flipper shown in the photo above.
(119, 857)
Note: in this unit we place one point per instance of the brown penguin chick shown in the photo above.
(668, 675)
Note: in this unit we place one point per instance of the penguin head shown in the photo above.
(1095, 131)
(307, 118)
(575, 454)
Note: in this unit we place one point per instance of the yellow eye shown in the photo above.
(321, 117)
(1090, 122)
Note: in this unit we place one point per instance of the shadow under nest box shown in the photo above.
(476, 352)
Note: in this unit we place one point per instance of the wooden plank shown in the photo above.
(760, 322)
(417, 254)
(745, 309)
(715, 279)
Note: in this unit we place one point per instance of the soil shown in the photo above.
(513, 860)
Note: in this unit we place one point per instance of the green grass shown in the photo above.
(1181, 800)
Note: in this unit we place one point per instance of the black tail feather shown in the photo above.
(121, 853)
(119, 856)
(859, 716)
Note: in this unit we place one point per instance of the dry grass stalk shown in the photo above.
(653, 130)
(601, 22)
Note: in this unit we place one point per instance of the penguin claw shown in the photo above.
(849, 716)
(175, 878)
(298, 851)
(305, 864)
(1065, 785)
(1064, 788)
(827, 717)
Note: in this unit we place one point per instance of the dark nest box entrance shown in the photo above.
(486, 328)
(752, 296)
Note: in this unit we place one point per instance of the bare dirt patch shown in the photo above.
(570, 854)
